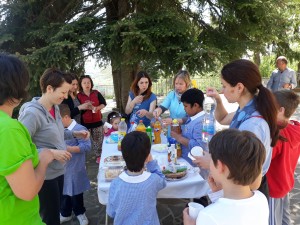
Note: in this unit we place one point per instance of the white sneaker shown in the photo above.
(64, 219)
(82, 219)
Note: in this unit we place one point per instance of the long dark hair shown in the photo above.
(246, 72)
(135, 88)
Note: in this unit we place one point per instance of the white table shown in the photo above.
(193, 186)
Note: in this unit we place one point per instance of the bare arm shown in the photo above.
(26, 181)
(129, 106)
(221, 114)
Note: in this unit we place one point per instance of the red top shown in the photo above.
(52, 112)
(285, 157)
(109, 131)
(88, 116)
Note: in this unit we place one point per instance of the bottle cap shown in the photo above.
(123, 119)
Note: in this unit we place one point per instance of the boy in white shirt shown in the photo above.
(237, 159)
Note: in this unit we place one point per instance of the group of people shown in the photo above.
(43, 175)
(248, 163)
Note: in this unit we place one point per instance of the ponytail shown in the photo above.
(266, 106)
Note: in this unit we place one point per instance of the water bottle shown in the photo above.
(209, 105)
(122, 129)
(132, 126)
(209, 127)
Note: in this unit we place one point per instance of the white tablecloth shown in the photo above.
(193, 186)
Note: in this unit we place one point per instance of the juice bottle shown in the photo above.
(122, 129)
(157, 132)
(176, 127)
(141, 127)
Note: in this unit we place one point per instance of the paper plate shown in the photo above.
(114, 160)
(160, 148)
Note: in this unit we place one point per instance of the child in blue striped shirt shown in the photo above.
(132, 196)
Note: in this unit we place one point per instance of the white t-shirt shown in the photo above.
(250, 211)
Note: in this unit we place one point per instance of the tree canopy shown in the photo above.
(159, 36)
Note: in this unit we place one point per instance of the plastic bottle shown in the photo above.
(132, 126)
(149, 133)
(173, 154)
(209, 104)
(141, 127)
(176, 128)
(209, 126)
(157, 132)
(122, 129)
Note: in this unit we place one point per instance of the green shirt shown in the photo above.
(15, 148)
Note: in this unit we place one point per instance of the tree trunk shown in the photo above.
(123, 74)
(256, 58)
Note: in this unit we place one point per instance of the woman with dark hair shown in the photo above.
(141, 101)
(257, 112)
(172, 102)
(42, 118)
(72, 100)
(92, 117)
(22, 168)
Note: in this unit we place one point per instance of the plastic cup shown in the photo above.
(194, 209)
(197, 151)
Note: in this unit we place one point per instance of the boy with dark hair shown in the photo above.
(236, 163)
(76, 180)
(285, 156)
(191, 136)
(132, 196)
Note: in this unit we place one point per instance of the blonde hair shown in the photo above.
(185, 76)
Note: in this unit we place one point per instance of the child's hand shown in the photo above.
(214, 186)
(202, 161)
(82, 134)
(187, 220)
(105, 128)
(175, 135)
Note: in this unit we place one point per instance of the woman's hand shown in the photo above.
(138, 99)
(46, 156)
(187, 220)
(61, 155)
(157, 112)
(82, 134)
(85, 106)
(203, 161)
(212, 92)
(142, 112)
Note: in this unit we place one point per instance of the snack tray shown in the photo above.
(114, 160)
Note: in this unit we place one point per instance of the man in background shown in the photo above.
(283, 77)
